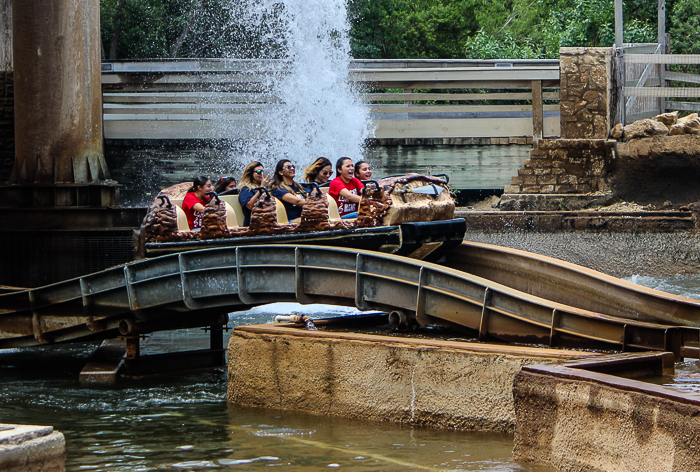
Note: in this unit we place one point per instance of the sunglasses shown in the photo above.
(289, 166)
(325, 172)
(259, 171)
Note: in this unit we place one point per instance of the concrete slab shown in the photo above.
(27, 448)
(438, 383)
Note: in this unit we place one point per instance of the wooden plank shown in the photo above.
(457, 84)
(640, 48)
(195, 127)
(537, 112)
(683, 106)
(456, 74)
(662, 59)
(375, 97)
(462, 128)
(683, 77)
(186, 97)
(654, 92)
(406, 108)
(619, 41)
(651, 82)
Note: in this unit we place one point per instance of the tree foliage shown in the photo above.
(391, 29)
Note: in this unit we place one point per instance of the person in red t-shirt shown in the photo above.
(345, 188)
(195, 201)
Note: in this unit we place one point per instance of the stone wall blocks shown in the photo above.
(548, 179)
(563, 189)
(542, 171)
(558, 171)
(525, 171)
(529, 180)
(531, 189)
(547, 189)
(511, 188)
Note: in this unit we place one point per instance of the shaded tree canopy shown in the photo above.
(390, 29)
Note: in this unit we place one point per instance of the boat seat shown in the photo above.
(281, 213)
(333, 213)
(325, 190)
(231, 220)
(177, 201)
(182, 224)
(232, 200)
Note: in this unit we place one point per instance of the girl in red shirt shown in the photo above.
(195, 201)
(345, 188)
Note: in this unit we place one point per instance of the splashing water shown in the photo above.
(311, 109)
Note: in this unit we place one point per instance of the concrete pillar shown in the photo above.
(58, 97)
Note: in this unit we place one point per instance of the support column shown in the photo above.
(58, 97)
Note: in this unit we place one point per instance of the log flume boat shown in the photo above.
(410, 215)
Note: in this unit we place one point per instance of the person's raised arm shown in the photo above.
(350, 196)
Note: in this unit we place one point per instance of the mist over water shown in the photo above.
(309, 108)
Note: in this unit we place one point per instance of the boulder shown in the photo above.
(692, 116)
(687, 127)
(617, 131)
(644, 129)
(667, 118)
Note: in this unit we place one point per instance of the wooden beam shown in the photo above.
(537, 112)
(662, 59)
(653, 92)
(619, 37)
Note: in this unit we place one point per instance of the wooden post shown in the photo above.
(5, 35)
(662, 42)
(619, 37)
(537, 112)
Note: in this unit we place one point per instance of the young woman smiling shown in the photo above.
(319, 172)
(345, 188)
(195, 201)
(289, 192)
(253, 177)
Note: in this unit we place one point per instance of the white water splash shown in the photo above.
(311, 108)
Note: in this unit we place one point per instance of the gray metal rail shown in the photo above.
(183, 288)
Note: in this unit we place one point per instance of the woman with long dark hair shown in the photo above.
(195, 201)
(287, 190)
(345, 188)
(253, 177)
(319, 172)
(225, 184)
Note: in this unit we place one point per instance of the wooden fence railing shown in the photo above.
(651, 87)
(407, 98)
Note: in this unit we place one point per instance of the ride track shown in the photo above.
(197, 288)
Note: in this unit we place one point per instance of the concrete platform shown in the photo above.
(460, 385)
(26, 448)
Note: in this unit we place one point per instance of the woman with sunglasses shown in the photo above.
(289, 192)
(345, 188)
(319, 172)
(225, 186)
(363, 171)
(253, 177)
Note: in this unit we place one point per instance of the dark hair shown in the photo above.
(314, 169)
(223, 183)
(339, 165)
(358, 164)
(278, 181)
(197, 182)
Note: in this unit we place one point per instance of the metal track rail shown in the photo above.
(187, 286)
(573, 285)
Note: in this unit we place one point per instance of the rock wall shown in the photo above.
(379, 378)
(565, 166)
(585, 91)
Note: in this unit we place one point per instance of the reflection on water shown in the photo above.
(183, 422)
